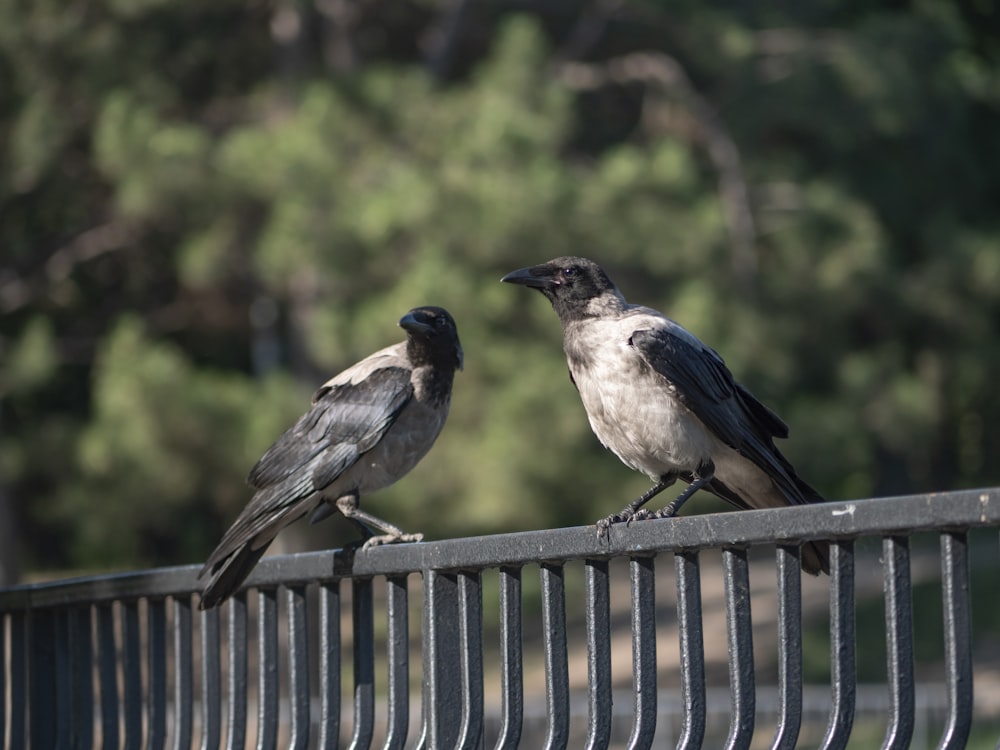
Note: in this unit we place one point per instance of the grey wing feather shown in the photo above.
(342, 414)
(704, 385)
(270, 508)
(346, 420)
(699, 376)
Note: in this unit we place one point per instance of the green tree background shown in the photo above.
(207, 209)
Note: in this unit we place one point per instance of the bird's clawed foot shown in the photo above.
(626, 516)
(701, 478)
(348, 506)
(649, 515)
(633, 511)
(380, 539)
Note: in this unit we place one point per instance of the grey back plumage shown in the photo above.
(705, 386)
(345, 420)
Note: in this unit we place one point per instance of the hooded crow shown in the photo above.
(367, 427)
(665, 403)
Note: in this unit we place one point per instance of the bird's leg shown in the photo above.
(630, 511)
(702, 476)
(348, 506)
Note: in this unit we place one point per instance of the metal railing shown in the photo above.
(127, 661)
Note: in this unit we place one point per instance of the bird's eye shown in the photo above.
(569, 272)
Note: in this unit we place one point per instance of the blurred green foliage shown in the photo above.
(206, 210)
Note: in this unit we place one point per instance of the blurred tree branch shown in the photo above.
(17, 291)
(588, 29)
(445, 37)
(664, 74)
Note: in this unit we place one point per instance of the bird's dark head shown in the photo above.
(433, 336)
(576, 287)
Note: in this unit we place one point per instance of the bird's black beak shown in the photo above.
(536, 277)
(413, 322)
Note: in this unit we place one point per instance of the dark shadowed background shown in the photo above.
(206, 209)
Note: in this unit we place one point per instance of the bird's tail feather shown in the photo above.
(228, 575)
(816, 557)
(807, 492)
(815, 554)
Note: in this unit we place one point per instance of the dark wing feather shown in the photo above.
(700, 378)
(704, 385)
(271, 508)
(227, 578)
(345, 420)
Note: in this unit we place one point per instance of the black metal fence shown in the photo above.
(541, 639)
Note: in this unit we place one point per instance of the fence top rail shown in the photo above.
(835, 520)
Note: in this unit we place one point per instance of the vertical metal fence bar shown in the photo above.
(4, 619)
(211, 680)
(642, 575)
(183, 677)
(156, 614)
(183, 673)
(511, 660)
(398, 658)
(470, 609)
(957, 608)
(843, 678)
(598, 654)
(238, 681)
(60, 700)
(364, 663)
(692, 649)
(107, 672)
(740, 636)
(442, 694)
(788, 560)
(899, 641)
(132, 691)
(18, 679)
(268, 683)
(42, 676)
(554, 642)
(329, 665)
(82, 665)
(298, 666)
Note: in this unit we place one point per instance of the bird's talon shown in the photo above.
(604, 529)
(605, 524)
(378, 541)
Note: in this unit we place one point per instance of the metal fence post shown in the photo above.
(899, 641)
(598, 654)
(689, 622)
(42, 677)
(442, 665)
(511, 660)
(957, 607)
(739, 625)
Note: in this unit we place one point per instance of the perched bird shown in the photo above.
(367, 427)
(665, 403)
